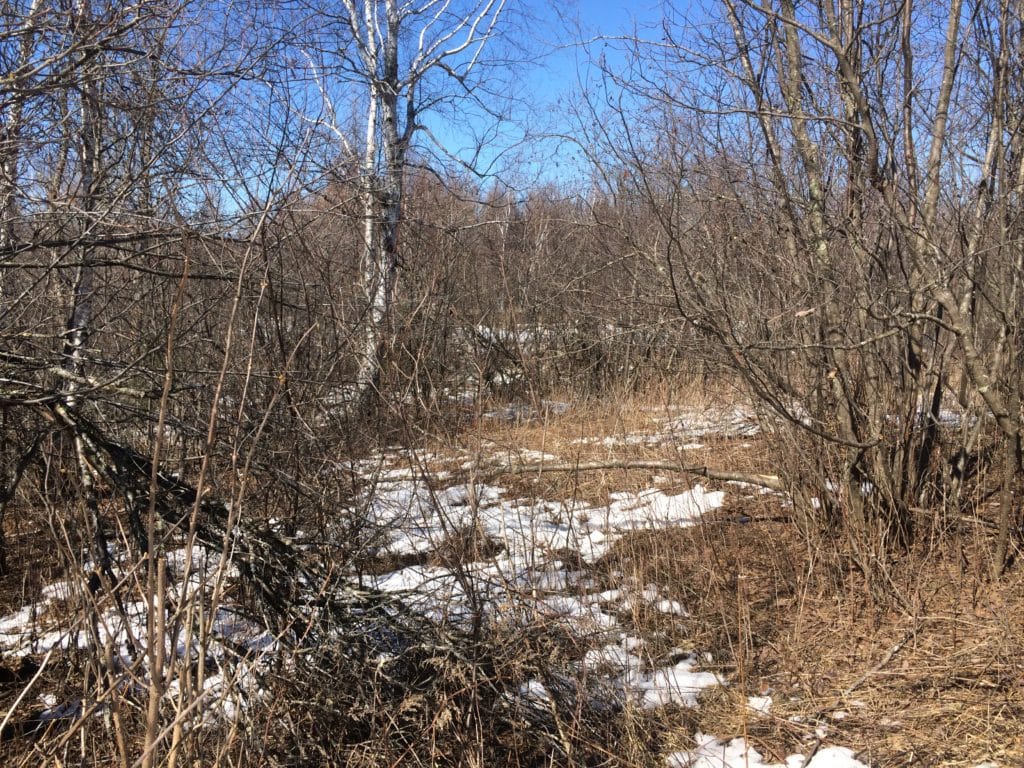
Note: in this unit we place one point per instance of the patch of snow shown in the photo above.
(242, 632)
(585, 614)
(534, 690)
(762, 705)
(609, 656)
(653, 509)
(15, 626)
(670, 607)
(59, 590)
(711, 752)
(535, 456)
(758, 490)
(719, 422)
(412, 518)
(56, 710)
(678, 684)
(523, 412)
(632, 643)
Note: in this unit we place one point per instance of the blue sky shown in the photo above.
(543, 87)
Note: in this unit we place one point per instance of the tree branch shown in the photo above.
(772, 482)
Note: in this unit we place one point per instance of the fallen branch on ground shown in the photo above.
(772, 482)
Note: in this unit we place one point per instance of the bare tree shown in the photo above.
(399, 63)
(826, 193)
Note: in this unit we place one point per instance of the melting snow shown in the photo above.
(762, 705)
(714, 753)
(526, 568)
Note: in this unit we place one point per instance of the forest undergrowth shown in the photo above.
(803, 651)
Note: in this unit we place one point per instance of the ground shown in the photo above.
(690, 608)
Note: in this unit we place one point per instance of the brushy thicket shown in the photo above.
(186, 320)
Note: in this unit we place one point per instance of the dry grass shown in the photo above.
(942, 686)
(938, 683)
(622, 428)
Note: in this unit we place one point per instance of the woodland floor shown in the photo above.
(698, 602)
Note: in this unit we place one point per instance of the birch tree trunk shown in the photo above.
(446, 42)
(382, 198)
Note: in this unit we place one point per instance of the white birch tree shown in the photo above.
(407, 58)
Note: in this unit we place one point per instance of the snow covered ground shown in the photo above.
(736, 753)
(532, 563)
